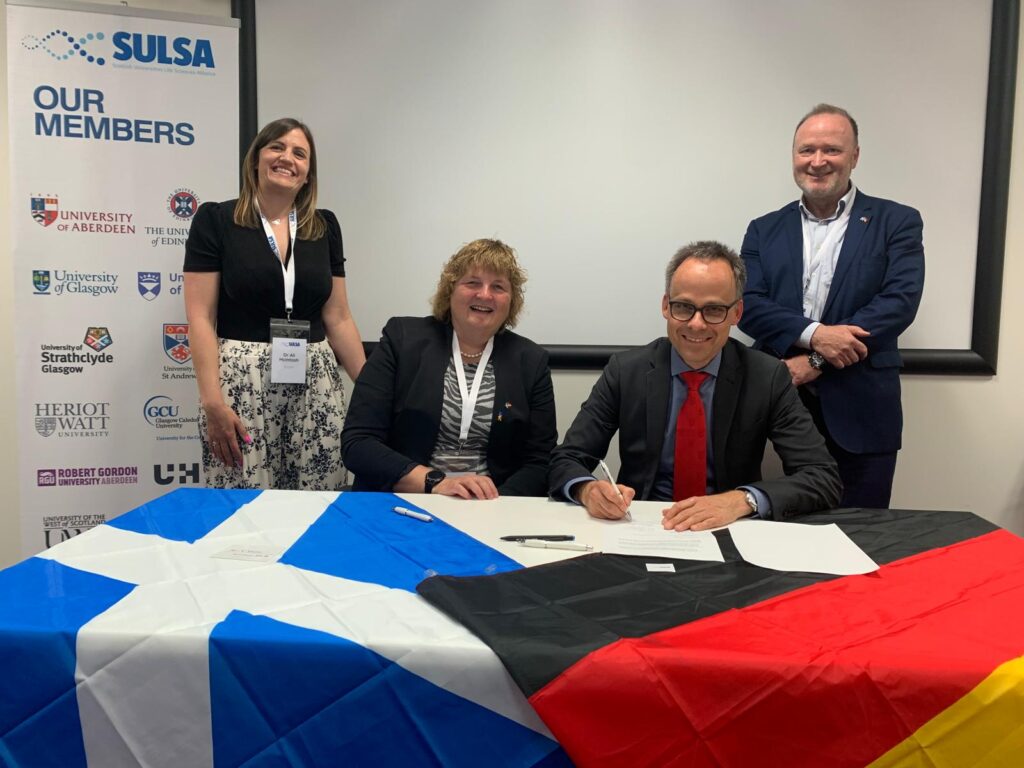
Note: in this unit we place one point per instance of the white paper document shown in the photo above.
(798, 547)
(251, 552)
(652, 540)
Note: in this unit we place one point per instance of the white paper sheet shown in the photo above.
(652, 540)
(798, 547)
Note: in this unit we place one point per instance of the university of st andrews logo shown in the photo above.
(44, 210)
(176, 342)
(183, 203)
(98, 338)
(149, 285)
(41, 280)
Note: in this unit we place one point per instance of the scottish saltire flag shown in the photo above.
(132, 644)
(728, 664)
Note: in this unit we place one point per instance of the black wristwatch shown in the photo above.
(433, 477)
(817, 361)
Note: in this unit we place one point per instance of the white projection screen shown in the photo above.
(598, 136)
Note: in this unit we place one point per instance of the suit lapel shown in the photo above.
(658, 395)
(723, 406)
(860, 220)
(793, 227)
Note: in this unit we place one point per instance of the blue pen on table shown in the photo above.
(414, 515)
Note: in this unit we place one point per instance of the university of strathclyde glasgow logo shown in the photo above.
(41, 280)
(149, 285)
(98, 338)
(176, 342)
(44, 210)
(183, 203)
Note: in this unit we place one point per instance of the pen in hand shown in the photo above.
(608, 474)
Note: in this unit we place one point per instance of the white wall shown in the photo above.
(963, 440)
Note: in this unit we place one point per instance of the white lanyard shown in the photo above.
(287, 271)
(469, 396)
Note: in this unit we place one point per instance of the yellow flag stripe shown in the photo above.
(984, 729)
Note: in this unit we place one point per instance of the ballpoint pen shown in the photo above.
(541, 537)
(414, 515)
(555, 545)
(608, 474)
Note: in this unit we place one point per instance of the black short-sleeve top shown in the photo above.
(251, 281)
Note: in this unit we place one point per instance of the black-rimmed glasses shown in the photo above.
(713, 314)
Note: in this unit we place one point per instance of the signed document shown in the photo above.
(651, 540)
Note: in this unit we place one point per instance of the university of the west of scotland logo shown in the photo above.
(44, 210)
(98, 338)
(176, 342)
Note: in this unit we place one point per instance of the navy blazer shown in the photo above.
(395, 412)
(877, 285)
(754, 402)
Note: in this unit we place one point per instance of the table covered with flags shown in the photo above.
(355, 636)
(139, 643)
(728, 664)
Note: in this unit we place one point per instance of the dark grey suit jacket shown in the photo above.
(754, 402)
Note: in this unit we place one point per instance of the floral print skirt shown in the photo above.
(295, 428)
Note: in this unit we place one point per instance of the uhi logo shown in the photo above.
(181, 474)
(98, 337)
(176, 342)
(41, 281)
(44, 209)
(183, 204)
(149, 285)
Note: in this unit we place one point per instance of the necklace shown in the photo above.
(275, 222)
(473, 356)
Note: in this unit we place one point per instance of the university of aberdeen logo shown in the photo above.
(44, 210)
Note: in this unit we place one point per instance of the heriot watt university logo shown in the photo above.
(44, 210)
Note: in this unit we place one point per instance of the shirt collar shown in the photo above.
(845, 204)
(678, 365)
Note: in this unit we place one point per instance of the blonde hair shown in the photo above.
(492, 255)
(311, 225)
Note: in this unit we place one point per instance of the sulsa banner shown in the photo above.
(121, 123)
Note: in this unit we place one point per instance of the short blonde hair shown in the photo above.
(492, 255)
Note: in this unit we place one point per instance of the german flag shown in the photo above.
(730, 664)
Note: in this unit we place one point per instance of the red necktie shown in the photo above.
(690, 471)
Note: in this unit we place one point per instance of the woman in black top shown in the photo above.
(266, 265)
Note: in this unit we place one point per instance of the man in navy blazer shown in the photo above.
(833, 280)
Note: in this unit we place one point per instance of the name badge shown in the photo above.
(288, 340)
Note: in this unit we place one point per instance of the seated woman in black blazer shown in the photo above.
(456, 403)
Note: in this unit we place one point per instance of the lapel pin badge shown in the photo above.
(865, 219)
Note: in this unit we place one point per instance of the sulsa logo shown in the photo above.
(160, 49)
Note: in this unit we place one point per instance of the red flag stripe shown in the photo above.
(834, 674)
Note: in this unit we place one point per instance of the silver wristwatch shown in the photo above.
(751, 501)
(816, 360)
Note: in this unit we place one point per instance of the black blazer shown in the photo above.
(754, 402)
(395, 413)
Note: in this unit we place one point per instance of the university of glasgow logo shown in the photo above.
(41, 280)
(46, 425)
(149, 285)
(44, 210)
(183, 203)
(176, 342)
(98, 338)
